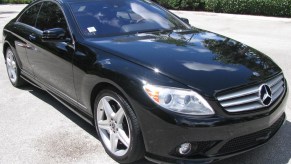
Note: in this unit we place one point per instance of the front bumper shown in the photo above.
(213, 138)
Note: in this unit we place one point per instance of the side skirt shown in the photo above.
(73, 106)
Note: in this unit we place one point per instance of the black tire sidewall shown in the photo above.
(134, 152)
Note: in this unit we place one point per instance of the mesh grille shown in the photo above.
(249, 99)
(204, 146)
(253, 139)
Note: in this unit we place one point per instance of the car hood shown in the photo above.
(202, 60)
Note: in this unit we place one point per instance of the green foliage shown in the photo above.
(253, 7)
(15, 1)
(281, 8)
(182, 4)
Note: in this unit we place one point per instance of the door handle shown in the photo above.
(29, 47)
(25, 46)
(21, 45)
(32, 37)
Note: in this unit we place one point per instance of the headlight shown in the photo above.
(179, 100)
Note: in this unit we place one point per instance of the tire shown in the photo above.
(13, 70)
(107, 114)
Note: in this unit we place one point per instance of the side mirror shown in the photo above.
(54, 35)
(185, 20)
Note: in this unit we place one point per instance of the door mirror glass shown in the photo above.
(54, 35)
(185, 20)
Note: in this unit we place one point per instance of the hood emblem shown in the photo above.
(265, 95)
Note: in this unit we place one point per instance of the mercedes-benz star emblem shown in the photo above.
(265, 95)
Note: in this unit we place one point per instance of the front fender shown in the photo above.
(126, 76)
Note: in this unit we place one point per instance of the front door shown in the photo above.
(24, 27)
(52, 61)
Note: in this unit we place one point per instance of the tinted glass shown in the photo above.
(29, 16)
(51, 16)
(117, 17)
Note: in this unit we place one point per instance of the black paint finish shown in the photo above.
(75, 70)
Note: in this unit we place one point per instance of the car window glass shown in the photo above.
(51, 16)
(29, 16)
(116, 17)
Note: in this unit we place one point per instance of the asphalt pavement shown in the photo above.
(35, 128)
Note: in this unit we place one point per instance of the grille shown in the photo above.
(249, 98)
(253, 139)
(204, 146)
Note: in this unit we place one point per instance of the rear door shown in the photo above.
(52, 61)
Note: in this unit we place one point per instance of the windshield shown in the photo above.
(119, 17)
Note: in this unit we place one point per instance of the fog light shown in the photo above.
(185, 148)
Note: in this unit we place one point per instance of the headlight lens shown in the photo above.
(178, 100)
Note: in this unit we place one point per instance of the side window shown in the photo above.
(29, 16)
(51, 16)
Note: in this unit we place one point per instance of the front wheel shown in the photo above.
(117, 127)
(13, 69)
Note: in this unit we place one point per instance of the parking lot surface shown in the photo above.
(35, 128)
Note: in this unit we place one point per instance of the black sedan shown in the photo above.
(152, 85)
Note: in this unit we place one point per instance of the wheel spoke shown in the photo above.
(118, 117)
(8, 60)
(100, 112)
(13, 72)
(113, 142)
(107, 108)
(123, 137)
(9, 70)
(104, 124)
(13, 64)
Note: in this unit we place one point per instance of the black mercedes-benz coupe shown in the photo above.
(152, 85)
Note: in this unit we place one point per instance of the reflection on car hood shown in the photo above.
(205, 61)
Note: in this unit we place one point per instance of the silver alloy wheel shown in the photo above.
(11, 66)
(113, 126)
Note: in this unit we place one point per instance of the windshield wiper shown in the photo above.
(156, 30)
(182, 30)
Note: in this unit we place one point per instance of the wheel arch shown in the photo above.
(6, 45)
(107, 85)
(97, 89)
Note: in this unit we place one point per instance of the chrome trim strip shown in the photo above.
(240, 101)
(247, 107)
(271, 83)
(278, 94)
(277, 86)
(239, 94)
